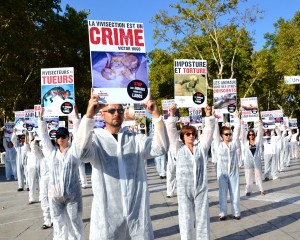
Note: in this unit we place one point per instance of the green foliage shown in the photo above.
(35, 35)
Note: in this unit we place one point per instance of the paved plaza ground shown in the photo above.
(273, 216)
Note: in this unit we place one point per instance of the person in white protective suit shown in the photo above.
(271, 144)
(120, 208)
(191, 175)
(21, 161)
(294, 144)
(171, 173)
(160, 163)
(44, 183)
(65, 196)
(252, 150)
(34, 155)
(285, 154)
(226, 147)
(10, 160)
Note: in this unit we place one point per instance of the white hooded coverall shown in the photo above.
(120, 208)
(21, 162)
(10, 160)
(252, 163)
(191, 176)
(34, 155)
(228, 170)
(65, 197)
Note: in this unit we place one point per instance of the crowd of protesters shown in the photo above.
(52, 171)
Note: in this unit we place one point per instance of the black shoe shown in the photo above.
(27, 189)
(161, 177)
(237, 217)
(20, 189)
(46, 226)
(168, 196)
(267, 179)
(223, 218)
(248, 194)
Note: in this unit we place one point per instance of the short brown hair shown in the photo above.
(188, 128)
(224, 128)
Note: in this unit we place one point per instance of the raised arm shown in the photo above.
(45, 139)
(5, 144)
(260, 133)
(159, 143)
(243, 133)
(237, 128)
(209, 128)
(14, 138)
(172, 130)
(82, 146)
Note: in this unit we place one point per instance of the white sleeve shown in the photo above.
(45, 139)
(82, 145)
(173, 133)
(208, 132)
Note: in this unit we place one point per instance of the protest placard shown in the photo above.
(140, 119)
(20, 122)
(8, 129)
(185, 120)
(195, 116)
(291, 79)
(52, 125)
(29, 120)
(293, 123)
(118, 61)
(190, 83)
(270, 119)
(99, 122)
(249, 107)
(57, 91)
(224, 95)
(166, 104)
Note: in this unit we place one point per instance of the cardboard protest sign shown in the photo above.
(293, 123)
(20, 122)
(58, 94)
(140, 119)
(29, 120)
(118, 61)
(8, 129)
(291, 79)
(195, 116)
(190, 84)
(249, 107)
(99, 121)
(185, 120)
(37, 110)
(270, 119)
(52, 125)
(166, 104)
(129, 119)
(224, 94)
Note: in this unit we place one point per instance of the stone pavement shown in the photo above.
(273, 216)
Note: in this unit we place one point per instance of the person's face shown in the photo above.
(267, 133)
(189, 137)
(251, 136)
(10, 145)
(113, 115)
(62, 140)
(227, 135)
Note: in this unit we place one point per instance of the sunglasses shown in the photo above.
(189, 134)
(251, 134)
(58, 136)
(227, 134)
(113, 110)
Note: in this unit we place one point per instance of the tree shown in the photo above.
(281, 52)
(35, 35)
(219, 25)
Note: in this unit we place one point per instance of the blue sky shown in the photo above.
(143, 11)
